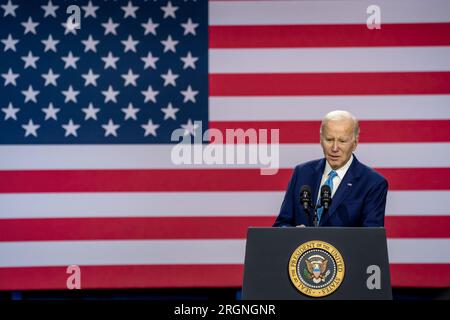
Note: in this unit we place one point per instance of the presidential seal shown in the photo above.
(316, 268)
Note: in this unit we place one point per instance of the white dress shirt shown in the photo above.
(337, 180)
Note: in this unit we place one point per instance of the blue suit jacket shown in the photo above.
(359, 201)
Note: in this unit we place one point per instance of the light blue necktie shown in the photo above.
(328, 182)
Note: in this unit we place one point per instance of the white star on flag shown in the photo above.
(30, 60)
(70, 94)
(70, 26)
(10, 43)
(169, 10)
(149, 61)
(70, 61)
(189, 94)
(30, 26)
(50, 9)
(150, 27)
(189, 27)
(130, 78)
(90, 44)
(90, 112)
(9, 9)
(130, 10)
(189, 128)
(89, 10)
(50, 112)
(169, 112)
(130, 112)
(30, 94)
(10, 112)
(150, 128)
(90, 78)
(110, 27)
(50, 78)
(150, 94)
(130, 44)
(110, 128)
(110, 61)
(110, 94)
(30, 128)
(50, 43)
(169, 78)
(10, 77)
(71, 128)
(189, 61)
(169, 44)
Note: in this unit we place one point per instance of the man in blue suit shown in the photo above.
(358, 192)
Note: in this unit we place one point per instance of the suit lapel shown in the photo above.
(316, 178)
(344, 189)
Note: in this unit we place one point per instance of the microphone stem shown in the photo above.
(315, 220)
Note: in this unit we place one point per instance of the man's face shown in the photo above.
(338, 142)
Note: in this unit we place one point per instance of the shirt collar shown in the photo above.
(341, 171)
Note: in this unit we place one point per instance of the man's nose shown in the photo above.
(335, 146)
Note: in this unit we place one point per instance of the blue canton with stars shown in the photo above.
(126, 72)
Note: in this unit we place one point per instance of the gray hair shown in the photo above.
(340, 115)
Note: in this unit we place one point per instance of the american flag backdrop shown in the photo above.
(86, 176)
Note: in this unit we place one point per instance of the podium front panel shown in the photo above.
(269, 251)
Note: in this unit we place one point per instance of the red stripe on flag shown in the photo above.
(132, 228)
(417, 226)
(361, 83)
(128, 276)
(373, 130)
(417, 178)
(308, 36)
(173, 276)
(420, 275)
(34, 181)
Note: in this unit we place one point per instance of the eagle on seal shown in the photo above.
(316, 270)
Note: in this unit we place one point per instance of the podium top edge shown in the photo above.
(318, 228)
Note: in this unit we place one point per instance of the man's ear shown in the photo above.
(355, 143)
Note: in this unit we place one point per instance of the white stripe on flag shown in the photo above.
(126, 252)
(292, 60)
(419, 250)
(378, 155)
(191, 204)
(325, 12)
(398, 107)
(137, 252)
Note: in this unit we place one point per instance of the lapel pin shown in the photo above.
(349, 184)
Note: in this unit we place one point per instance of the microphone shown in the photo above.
(325, 196)
(305, 197)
